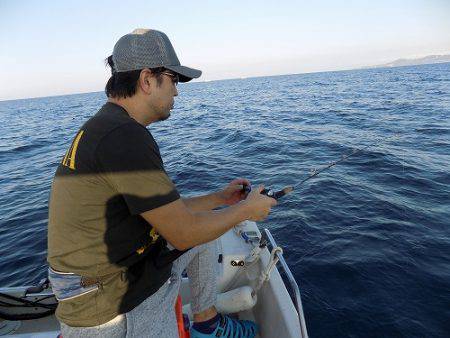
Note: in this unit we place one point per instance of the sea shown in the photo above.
(367, 240)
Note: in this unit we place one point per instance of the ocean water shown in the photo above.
(368, 241)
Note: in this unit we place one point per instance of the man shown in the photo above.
(115, 215)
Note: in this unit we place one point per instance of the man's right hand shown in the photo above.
(258, 205)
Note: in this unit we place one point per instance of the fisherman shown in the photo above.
(119, 234)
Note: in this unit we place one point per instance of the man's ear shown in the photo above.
(146, 81)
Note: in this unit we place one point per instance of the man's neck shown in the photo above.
(134, 109)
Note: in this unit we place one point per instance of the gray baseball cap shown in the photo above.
(148, 48)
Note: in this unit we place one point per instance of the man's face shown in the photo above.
(162, 96)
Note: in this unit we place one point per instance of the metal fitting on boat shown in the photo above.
(237, 262)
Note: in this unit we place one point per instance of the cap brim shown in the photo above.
(185, 73)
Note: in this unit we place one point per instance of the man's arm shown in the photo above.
(229, 195)
(203, 203)
(184, 228)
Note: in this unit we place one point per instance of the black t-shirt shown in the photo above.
(111, 173)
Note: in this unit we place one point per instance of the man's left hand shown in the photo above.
(233, 192)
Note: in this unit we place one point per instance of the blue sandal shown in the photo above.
(229, 328)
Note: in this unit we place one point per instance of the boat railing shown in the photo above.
(296, 298)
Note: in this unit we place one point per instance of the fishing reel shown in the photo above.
(270, 192)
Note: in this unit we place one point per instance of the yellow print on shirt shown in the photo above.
(69, 158)
(153, 237)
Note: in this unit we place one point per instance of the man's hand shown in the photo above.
(233, 192)
(258, 205)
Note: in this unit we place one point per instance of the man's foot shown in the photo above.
(226, 327)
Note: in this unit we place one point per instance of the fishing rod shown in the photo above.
(174, 254)
(314, 172)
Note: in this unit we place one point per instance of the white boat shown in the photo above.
(248, 265)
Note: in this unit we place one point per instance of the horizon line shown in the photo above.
(363, 68)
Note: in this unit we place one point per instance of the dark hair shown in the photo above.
(123, 84)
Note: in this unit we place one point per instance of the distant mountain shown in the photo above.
(414, 62)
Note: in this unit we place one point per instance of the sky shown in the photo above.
(52, 48)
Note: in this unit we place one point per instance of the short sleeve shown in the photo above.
(129, 159)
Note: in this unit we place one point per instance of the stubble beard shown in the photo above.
(164, 116)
